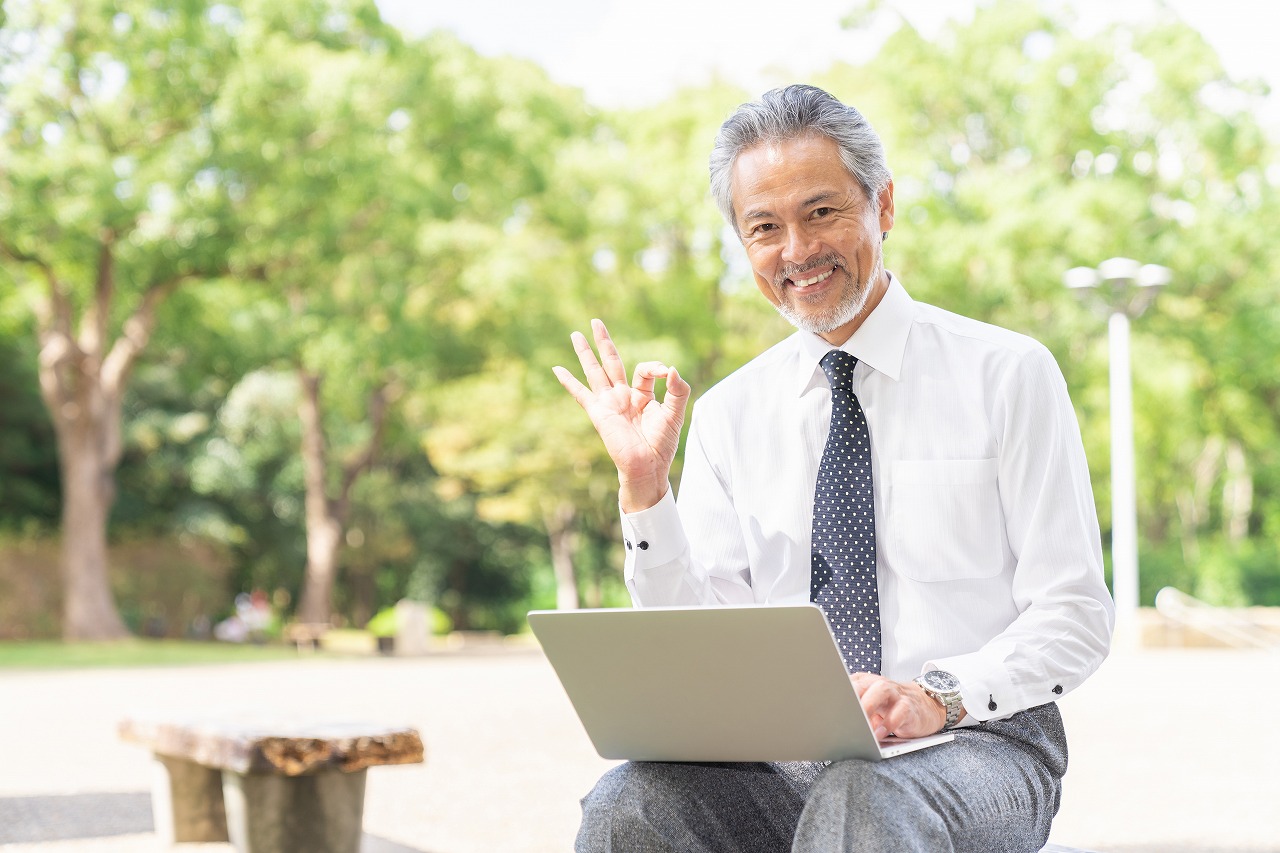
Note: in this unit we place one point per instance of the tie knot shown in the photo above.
(838, 365)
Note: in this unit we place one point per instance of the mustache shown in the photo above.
(794, 271)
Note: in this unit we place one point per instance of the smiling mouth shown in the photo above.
(819, 278)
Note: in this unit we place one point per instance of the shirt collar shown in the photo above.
(879, 342)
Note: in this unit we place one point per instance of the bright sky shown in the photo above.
(634, 52)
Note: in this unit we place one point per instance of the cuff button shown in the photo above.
(643, 546)
(628, 543)
(1057, 688)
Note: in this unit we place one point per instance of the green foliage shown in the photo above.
(384, 623)
(115, 142)
(413, 219)
(1219, 572)
(29, 487)
(1021, 149)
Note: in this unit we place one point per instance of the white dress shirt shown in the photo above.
(989, 559)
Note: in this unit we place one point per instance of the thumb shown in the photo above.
(677, 396)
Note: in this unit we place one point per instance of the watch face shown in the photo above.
(942, 682)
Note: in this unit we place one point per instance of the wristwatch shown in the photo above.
(944, 687)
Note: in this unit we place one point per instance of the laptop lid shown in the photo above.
(725, 683)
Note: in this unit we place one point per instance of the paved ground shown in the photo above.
(1172, 751)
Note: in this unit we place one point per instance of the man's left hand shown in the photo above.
(899, 708)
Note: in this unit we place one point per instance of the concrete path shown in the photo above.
(1172, 751)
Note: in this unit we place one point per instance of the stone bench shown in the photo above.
(266, 785)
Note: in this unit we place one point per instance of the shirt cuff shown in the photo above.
(653, 536)
(986, 693)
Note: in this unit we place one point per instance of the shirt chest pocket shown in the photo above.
(945, 519)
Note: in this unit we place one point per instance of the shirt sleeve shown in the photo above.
(665, 566)
(1063, 630)
(657, 569)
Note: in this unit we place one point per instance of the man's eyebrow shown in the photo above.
(823, 196)
(764, 213)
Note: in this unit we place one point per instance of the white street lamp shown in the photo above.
(1124, 288)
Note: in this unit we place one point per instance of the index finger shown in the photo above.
(596, 376)
(647, 372)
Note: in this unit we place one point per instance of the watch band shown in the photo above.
(954, 708)
(948, 696)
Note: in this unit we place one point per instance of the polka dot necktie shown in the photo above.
(843, 578)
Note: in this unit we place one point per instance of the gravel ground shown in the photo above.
(1173, 751)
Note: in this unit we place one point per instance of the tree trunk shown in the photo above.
(326, 517)
(83, 373)
(324, 539)
(324, 527)
(456, 594)
(562, 537)
(89, 609)
(594, 595)
(1237, 494)
(1193, 503)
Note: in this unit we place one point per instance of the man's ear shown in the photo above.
(885, 200)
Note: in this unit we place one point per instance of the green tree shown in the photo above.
(328, 241)
(408, 167)
(625, 231)
(118, 187)
(511, 265)
(1022, 149)
(107, 204)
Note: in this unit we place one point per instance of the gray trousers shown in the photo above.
(995, 788)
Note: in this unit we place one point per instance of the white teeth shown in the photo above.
(805, 282)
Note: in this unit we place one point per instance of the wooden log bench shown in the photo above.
(266, 785)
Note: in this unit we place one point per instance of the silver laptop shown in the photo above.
(730, 683)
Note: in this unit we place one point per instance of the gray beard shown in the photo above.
(851, 303)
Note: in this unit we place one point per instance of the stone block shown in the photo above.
(186, 801)
(320, 813)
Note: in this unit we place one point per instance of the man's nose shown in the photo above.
(800, 245)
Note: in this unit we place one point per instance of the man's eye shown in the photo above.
(764, 227)
(822, 211)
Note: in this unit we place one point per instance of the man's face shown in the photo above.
(811, 234)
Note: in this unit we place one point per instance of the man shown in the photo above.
(918, 474)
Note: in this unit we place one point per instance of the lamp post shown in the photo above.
(1124, 288)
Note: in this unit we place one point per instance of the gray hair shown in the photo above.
(793, 112)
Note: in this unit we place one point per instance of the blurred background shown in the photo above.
(282, 281)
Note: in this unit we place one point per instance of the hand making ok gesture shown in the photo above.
(640, 433)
